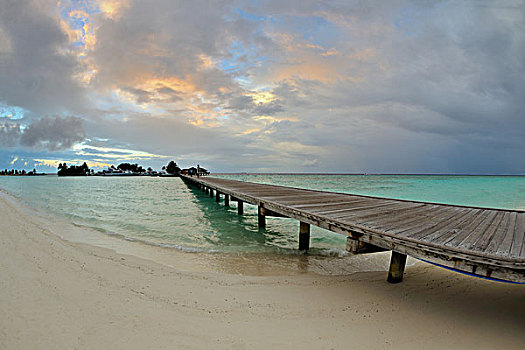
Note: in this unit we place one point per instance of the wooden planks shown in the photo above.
(487, 242)
(517, 249)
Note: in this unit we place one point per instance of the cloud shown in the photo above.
(311, 162)
(89, 149)
(53, 133)
(361, 86)
(37, 73)
(9, 133)
(49, 133)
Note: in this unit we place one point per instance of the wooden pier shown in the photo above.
(483, 242)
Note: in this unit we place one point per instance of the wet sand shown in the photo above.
(60, 294)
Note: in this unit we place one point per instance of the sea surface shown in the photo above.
(165, 212)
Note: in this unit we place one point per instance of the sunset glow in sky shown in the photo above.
(264, 86)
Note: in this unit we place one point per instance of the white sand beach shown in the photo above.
(59, 294)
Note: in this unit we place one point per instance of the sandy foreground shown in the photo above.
(58, 294)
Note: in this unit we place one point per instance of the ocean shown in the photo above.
(165, 212)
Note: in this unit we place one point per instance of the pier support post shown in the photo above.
(227, 200)
(355, 246)
(206, 190)
(397, 267)
(304, 236)
(211, 192)
(240, 207)
(261, 219)
(217, 196)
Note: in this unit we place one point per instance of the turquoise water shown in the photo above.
(505, 192)
(165, 212)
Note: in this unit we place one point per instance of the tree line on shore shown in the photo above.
(73, 170)
(16, 172)
(123, 169)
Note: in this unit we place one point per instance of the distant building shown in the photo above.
(193, 171)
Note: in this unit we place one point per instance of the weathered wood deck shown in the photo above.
(484, 242)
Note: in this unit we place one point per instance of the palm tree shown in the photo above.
(172, 168)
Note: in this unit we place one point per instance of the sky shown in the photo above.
(264, 86)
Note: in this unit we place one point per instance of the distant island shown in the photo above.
(15, 172)
(127, 169)
(123, 169)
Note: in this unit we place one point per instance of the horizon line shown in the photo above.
(384, 174)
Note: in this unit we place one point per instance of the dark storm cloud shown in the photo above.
(47, 133)
(35, 70)
(54, 133)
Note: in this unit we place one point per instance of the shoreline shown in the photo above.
(62, 294)
(293, 262)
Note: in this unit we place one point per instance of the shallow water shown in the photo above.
(165, 212)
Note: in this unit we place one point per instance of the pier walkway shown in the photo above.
(483, 242)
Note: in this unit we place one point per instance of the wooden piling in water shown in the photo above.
(217, 196)
(481, 241)
(226, 200)
(261, 218)
(304, 236)
(240, 207)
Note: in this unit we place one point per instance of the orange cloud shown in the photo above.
(177, 84)
(206, 61)
(173, 93)
(309, 61)
(320, 71)
(261, 97)
(112, 8)
(273, 119)
(87, 74)
(362, 55)
(85, 35)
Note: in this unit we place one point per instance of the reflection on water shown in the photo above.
(231, 231)
(164, 212)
